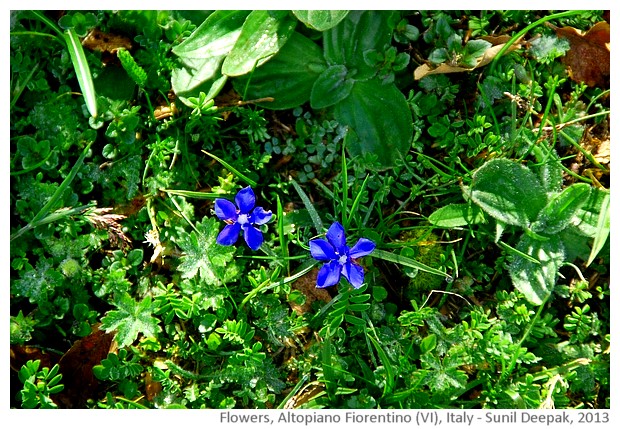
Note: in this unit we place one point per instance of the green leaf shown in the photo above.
(135, 72)
(82, 70)
(288, 77)
(474, 49)
(428, 344)
(357, 33)
(262, 35)
(332, 86)
(508, 191)
(131, 319)
(202, 53)
(320, 20)
(390, 380)
(561, 209)
(536, 281)
(454, 215)
(380, 118)
(203, 256)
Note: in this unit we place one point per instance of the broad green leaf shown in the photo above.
(202, 53)
(474, 49)
(320, 20)
(454, 215)
(332, 86)
(131, 319)
(263, 34)
(380, 118)
(288, 77)
(561, 209)
(589, 215)
(357, 33)
(204, 257)
(508, 191)
(537, 281)
(82, 70)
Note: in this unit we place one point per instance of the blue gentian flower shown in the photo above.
(243, 216)
(340, 259)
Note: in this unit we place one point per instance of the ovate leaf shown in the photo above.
(561, 209)
(262, 35)
(454, 215)
(508, 191)
(332, 86)
(358, 33)
(534, 280)
(202, 53)
(320, 20)
(131, 319)
(287, 78)
(204, 257)
(381, 121)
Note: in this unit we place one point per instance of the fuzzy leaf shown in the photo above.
(454, 215)
(560, 211)
(537, 280)
(508, 191)
(131, 319)
(135, 72)
(204, 256)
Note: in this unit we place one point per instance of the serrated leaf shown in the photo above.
(508, 191)
(320, 20)
(204, 257)
(262, 35)
(130, 319)
(331, 86)
(454, 215)
(537, 281)
(561, 209)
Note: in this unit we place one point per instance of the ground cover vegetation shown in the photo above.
(309, 209)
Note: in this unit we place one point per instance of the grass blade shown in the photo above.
(314, 215)
(54, 199)
(408, 262)
(82, 70)
(232, 169)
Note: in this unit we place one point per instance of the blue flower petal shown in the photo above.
(354, 274)
(363, 247)
(253, 236)
(335, 235)
(245, 200)
(321, 250)
(260, 216)
(225, 210)
(228, 236)
(328, 275)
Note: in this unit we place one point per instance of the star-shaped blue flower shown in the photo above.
(242, 217)
(340, 259)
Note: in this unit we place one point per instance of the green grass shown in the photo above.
(490, 283)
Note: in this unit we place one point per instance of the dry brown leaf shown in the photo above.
(307, 286)
(588, 58)
(97, 40)
(76, 367)
(489, 54)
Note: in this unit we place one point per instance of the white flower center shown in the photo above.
(242, 219)
(343, 259)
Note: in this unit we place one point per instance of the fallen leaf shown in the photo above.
(307, 286)
(76, 367)
(97, 40)
(588, 58)
(498, 44)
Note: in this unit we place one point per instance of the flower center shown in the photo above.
(242, 219)
(343, 259)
